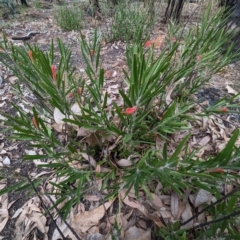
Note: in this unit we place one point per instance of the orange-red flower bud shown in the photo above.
(30, 54)
(148, 44)
(224, 109)
(199, 57)
(71, 94)
(54, 72)
(92, 52)
(35, 122)
(130, 111)
(79, 91)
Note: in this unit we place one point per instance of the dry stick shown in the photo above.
(44, 206)
(210, 206)
(215, 115)
(67, 224)
(96, 183)
(217, 220)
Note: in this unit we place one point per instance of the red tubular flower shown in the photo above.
(54, 72)
(130, 111)
(148, 44)
(71, 94)
(199, 57)
(92, 52)
(35, 122)
(216, 170)
(224, 109)
(79, 91)
(30, 54)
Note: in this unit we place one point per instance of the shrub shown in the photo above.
(129, 22)
(68, 18)
(130, 141)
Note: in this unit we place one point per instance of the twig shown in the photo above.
(217, 220)
(210, 206)
(94, 179)
(44, 206)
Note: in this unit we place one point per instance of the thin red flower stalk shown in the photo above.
(130, 111)
(54, 72)
(30, 54)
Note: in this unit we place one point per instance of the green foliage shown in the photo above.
(149, 115)
(69, 18)
(129, 23)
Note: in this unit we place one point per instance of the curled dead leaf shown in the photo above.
(203, 196)
(231, 90)
(76, 109)
(174, 204)
(156, 201)
(124, 163)
(84, 221)
(187, 213)
(58, 116)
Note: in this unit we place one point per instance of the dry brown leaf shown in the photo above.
(142, 224)
(108, 74)
(92, 198)
(181, 208)
(89, 158)
(202, 217)
(63, 228)
(187, 213)
(169, 90)
(83, 132)
(40, 220)
(16, 214)
(165, 213)
(3, 183)
(58, 116)
(4, 215)
(94, 139)
(231, 90)
(137, 233)
(59, 127)
(203, 196)
(86, 220)
(124, 163)
(158, 41)
(156, 201)
(95, 236)
(174, 204)
(204, 140)
(12, 79)
(3, 223)
(76, 109)
(155, 218)
(127, 201)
